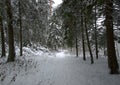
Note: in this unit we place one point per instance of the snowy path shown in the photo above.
(67, 71)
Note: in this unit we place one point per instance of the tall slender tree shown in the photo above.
(76, 43)
(83, 38)
(88, 42)
(95, 29)
(112, 59)
(2, 37)
(20, 22)
(82, 30)
(11, 56)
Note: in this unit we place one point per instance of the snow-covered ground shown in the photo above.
(58, 68)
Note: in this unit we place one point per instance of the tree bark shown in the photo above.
(20, 21)
(83, 39)
(112, 59)
(95, 29)
(76, 41)
(89, 47)
(11, 56)
(2, 37)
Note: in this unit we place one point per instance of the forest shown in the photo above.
(33, 34)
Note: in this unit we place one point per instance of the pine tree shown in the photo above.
(82, 30)
(11, 56)
(88, 42)
(20, 22)
(2, 37)
(112, 59)
(95, 30)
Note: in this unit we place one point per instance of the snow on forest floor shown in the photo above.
(58, 68)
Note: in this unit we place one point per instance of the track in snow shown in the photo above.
(62, 69)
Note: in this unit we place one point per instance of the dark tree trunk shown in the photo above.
(20, 28)
(2, 37)
(112, 59)
(83, 39)
(11, 56)
(89, 47)
(76, 42)
(96, 44)
(76, 38)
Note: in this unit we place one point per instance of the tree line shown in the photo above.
(22, 23)
(73, 24)
(82, 27)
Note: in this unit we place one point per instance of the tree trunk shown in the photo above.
(112, 59)
(83, 40)
(96, 44)
(11, 56)
(89, 47)
(76, 42)
(2, 37)
(20, 29)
